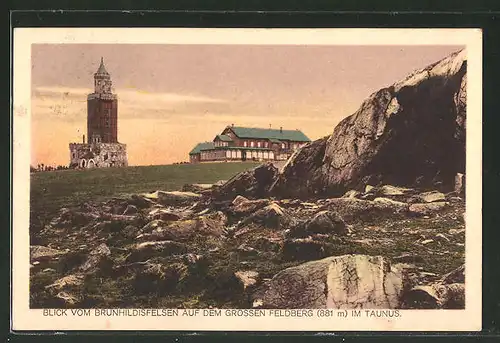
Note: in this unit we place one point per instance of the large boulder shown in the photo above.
(252, 183)
(348, 281)
(411, 133)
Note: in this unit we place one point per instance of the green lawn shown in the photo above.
(52, 190)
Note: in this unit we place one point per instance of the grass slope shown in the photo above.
(53, 190)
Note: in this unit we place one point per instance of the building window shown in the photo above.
(252, 144)
(245, 143)
(266, 144)
(258, 144)
(283, 145)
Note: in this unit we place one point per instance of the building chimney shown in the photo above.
(270, 126)
(83, 139)
(281, 129)
(232, 125)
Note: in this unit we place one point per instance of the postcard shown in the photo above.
(246, 179)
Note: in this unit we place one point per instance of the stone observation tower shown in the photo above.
(102, 148)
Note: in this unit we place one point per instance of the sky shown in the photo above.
(171, 97)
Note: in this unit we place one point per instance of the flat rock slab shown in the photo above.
(425, 209)
(348, 281)
(173, 198)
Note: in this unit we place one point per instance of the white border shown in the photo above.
(412, 320)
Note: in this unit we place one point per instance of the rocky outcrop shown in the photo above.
(349, 281)
(253, 183)
(411, 133)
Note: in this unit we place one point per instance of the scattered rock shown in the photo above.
(97, 259)
(388, 190)
(441, 238)
(196, 187)
(454, 232)
(146, 250)
(130, 210)
(432, 196)
(426, 241)
(435, 296)
(163, 214)
(326, 222)
(243, 206)
(175, 198)
(348, 281)
(352, 194)
(455, 276)
(272, 216)
(427, 208)
(42, 253)
(253, 183)
(66, 281)
(247, 250)
(397, 205)
(358, 209)
(460, 183)
(248, 278)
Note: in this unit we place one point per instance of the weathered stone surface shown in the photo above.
(248, 278)
(97, 259)
(352, 194)
(242, 206)
(391, 190)
(39, 252)
(427, 208)
(411, 133)
(455, 276)
(349, 281)
(460, 183)
(212, 224)
(253, 183)
(66, 281)
(326, 222)
(175, 198)
(146, 250)
(67, 290)
(397, 205)
(163, 214)
(196, 187)
(432, 196)
(272, 216)
(363, 209)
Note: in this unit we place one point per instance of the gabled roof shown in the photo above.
(253, 132)
(224, 138)
(202, 146)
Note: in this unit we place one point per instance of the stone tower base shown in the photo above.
(97, 155)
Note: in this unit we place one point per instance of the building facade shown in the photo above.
(101, 149)
(236, 143)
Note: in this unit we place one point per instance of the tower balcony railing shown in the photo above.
(103, 96)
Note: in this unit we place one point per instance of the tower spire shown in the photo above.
(102, 69)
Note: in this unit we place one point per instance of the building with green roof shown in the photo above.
(237, 143)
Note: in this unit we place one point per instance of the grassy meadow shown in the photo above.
(55, 189)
